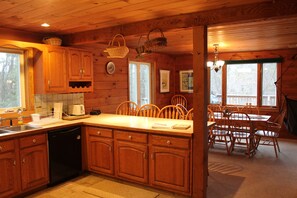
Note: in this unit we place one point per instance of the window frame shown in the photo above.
(151, 77)
(259, 63)
(22, 78)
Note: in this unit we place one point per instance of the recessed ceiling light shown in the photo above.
(45, 25)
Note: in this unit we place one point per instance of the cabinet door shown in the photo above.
(169, 168)
(34, 166)
(87, 65)
(55, 76)
(74, 65)
(9, 171)
(131, 161)
(100, 155)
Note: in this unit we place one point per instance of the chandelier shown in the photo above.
(216, 64)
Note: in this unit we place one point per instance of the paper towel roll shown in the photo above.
(58, 110)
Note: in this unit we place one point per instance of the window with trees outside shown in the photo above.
(12, 85)
(140, 82)
(245, 83)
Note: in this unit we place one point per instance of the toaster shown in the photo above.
(76, 110)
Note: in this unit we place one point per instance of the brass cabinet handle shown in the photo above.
(14, 162)
(130, 137)
(24, 160)
(99, 132)
(1, 148)
(168, 142)
(34, 140)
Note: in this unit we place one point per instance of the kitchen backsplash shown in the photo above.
(45, 102)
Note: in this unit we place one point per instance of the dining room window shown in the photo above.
(12, 80)
(245, 82)
(140, 82)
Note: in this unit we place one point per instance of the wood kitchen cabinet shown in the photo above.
(50, 70)
(170, 163)
(80, 65)
(100, 150)
(34, 163)
(9, 168)
(23, 164)
(131, 156)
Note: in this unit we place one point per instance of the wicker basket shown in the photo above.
(52, 41)
(157, 42)
(119, 51)
(141, 49)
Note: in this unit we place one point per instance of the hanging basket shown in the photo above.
(52, 41)
(141, 49)
(117, 51)
(157, 42)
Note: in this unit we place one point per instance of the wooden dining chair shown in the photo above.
(269, 135)
(171, 112)
(183, 108)
(219, 133)
(249, 109)
(179, 99)
(149, 110)
(127, 108)
(241, 132)
(190, 114)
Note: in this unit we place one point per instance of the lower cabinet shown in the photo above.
(159, 161)
(170, 163)
(131, 151)
(100, 150)
(9, 168)
(24, 164)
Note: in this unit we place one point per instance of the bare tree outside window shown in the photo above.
(10, 84)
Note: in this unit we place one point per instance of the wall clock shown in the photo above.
(110, 67)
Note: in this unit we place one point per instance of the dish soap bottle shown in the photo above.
(20, 117)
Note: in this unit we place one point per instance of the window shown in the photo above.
(140, 82)
(241, 84)
(245, 82)
(12, 83)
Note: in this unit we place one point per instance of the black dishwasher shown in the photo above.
(65, 158)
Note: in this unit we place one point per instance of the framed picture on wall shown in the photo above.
(164, 81)
(186, 81)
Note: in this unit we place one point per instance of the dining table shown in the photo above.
(258, 122)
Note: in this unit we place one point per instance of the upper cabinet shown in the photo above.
(80, 70)
(50, 72)
(80, 65)
(63, 70)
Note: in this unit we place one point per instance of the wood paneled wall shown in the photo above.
(111, 90)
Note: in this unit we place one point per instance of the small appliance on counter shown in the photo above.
(76, 110)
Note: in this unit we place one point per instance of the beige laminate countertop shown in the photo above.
(121, 122)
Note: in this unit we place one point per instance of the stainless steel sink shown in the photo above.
(16, 129)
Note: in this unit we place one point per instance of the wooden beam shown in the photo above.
(245, 13)
(200, 136)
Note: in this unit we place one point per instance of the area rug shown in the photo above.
(94, 187)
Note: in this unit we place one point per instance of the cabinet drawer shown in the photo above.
(100, 132)
(32, 140)
(131, 136)
(169, 141)
(6, 146)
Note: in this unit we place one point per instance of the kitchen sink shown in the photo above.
(16, 128)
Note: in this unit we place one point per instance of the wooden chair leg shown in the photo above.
(277, 144)
(227, 148)
(274, 145)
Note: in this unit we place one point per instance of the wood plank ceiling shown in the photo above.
(71, 17)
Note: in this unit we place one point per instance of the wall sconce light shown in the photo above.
(216, 64)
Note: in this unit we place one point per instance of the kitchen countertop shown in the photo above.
(121, 122)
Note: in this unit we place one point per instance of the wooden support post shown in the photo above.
(200, 136)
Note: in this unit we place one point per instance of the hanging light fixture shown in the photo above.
(216, 64)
